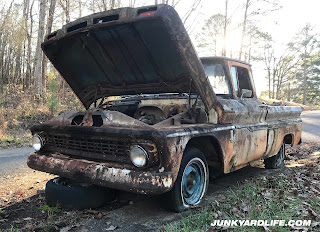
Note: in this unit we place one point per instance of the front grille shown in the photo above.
(111, 149)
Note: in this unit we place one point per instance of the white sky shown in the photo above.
(282, 24)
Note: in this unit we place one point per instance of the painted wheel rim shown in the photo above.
(194, 180)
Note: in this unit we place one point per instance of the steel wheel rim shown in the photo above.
(194, 181)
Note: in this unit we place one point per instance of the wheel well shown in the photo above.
(288, 139)
(211, 148)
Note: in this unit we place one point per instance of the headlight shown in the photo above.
(138, 156)
(37, 142)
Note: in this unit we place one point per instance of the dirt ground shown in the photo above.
(23, 208)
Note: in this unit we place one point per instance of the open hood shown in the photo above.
(128, 51)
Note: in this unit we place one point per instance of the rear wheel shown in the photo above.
(191, 183)
(276, 161)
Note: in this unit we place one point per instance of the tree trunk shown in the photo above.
(244, 27)
(29, 34)
(67, 10)
(305, 75)
(112, 4)
(269, 78)
(289, 92)
(224, 50)
(80, 9)
(42, 16)
(48, 31)
(249, 52)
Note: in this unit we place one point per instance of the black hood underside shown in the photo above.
(133, 53)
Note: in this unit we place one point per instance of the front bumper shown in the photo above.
(103, 174)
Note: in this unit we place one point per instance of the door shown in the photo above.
(251, 131)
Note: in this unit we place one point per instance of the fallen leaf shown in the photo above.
(111, 228)
(18, 221)
(312, 213)
(19, 192)
(92, 211)
(66, 229)
(246, 208)
(98, 216)
(266, 228)
(267, 194)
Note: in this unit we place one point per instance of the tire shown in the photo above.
(71, 195)
(276, 161)
(191, 183)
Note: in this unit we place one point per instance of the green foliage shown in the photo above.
(211, 36)
(12, 229)
(52, 101)
(49, 210)
(8, 141)
(2, 213)
(3, 95)
(264, 94)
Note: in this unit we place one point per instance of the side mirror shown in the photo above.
(246, 93)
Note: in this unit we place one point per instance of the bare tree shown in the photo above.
(249, 13)
(38, 56)
(195, 5)
(244, 24)
(48, 31)
(65, 4)
(132, 3)
(80, 8)
(268, 59)
(224, 49)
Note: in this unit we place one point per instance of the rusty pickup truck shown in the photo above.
(157, 116)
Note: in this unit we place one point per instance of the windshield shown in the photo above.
(217, 78)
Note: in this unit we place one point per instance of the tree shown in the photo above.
(279, 68)
(308, 43)
(65, 4)
(224, 49)
(249, 11)
(244, 24)
(268, 58)
(42, 16)
(29, 33)
(48, 31)
(314, 79)
(212, 34)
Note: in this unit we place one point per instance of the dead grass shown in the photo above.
(21, 110)
(20, 186)
(291, 196)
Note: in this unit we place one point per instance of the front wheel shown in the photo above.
(276, 161)
(191, 183)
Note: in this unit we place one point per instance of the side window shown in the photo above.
(217, 78)
(234, 75)
(241, 79)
